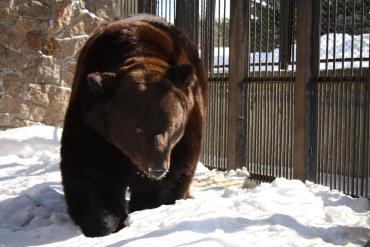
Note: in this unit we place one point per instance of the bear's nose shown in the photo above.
(157, 171)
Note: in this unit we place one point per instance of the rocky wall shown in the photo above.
(39, 45)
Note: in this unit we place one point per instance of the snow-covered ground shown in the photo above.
(283, 213)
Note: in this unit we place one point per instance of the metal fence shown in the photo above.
(341, 95)
(289, 86)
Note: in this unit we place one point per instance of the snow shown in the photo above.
(222, 213)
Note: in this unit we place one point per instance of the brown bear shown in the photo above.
(134, 120)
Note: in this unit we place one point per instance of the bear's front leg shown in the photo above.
(98, 206)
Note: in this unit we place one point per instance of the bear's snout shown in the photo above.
(157, 171)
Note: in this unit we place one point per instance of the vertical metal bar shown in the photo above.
(249, 124)
(288, 124)
(275, 111)
(331, 126)
(292, 127)
(209, 112)
(245, 122)
(202, 31)
(221, 122)
(353, 38)
(257, 123)
(265, 132)
(327, 40)
(353, 135)
(268, 128)
(212, 26)
(218, 38)
(342, 133)
(213, 126)
(217, 121)
(206, 145)
(258, 139)
(262, 128)
(286, 99)
(362, 36)
(166, 11)
(260, 41)
(283, 129)
(356, 137)
(170, 11)
(268, 37)
(254, 129)
(326, 132)
(367, 137)
(122, 10)
(293, 46)
(223, 41)
(280, 129)
(280, 46)
(254, 38)
(249, 39)
(225, 123)
(361, 134)
(336, 139)
(209, 153)
(319, 132)
(273, 38)
(347, 138)
(344, 34)
(335, 38)
(175, 3)
(214, 119)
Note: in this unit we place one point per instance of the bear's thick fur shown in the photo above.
(134, 120)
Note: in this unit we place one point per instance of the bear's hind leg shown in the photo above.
(98, 207)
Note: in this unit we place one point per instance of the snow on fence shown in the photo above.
(337, 51)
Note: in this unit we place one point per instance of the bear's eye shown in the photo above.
(139, 131)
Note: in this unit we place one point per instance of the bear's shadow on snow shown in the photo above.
(359, 235)
(41, 208)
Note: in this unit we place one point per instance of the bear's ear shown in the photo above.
(181, 75)
(101, 84)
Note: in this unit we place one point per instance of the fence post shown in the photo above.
(308, 38)
(147, 6)
(237, 73)
(187, 18)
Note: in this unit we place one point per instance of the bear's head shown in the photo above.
(143, 114)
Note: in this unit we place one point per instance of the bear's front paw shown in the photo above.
(104, 225)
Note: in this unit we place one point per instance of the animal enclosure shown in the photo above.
(289, 85)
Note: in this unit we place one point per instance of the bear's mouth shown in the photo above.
(157, 173)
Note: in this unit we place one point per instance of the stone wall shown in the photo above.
(39, 45)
